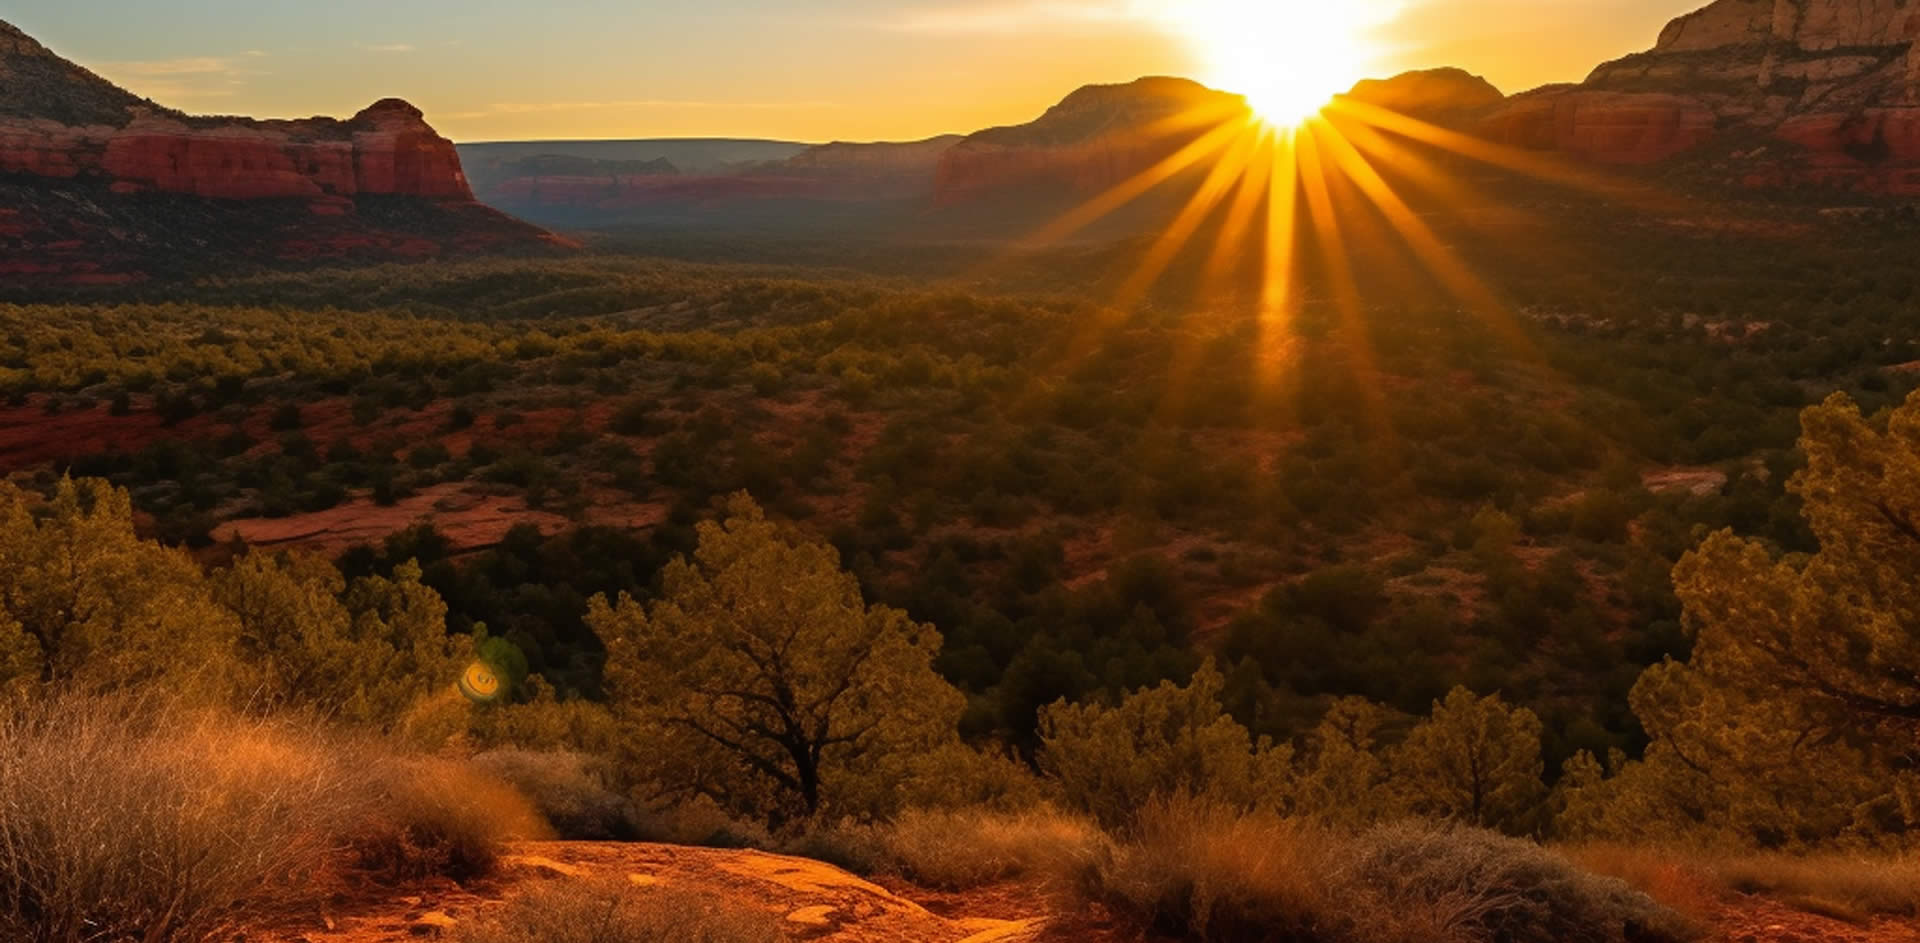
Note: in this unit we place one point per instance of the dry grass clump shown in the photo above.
(957, 850)
(1854, 888)
(572, 791)
(432, 816)
(613, 911)
(1204, 872)
(1681, 883)
(119, 820)
(1199, 871)
(136, 818)
(1497, 888)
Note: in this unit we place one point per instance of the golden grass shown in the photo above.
(965, 849)
(135, 818)
(1853, 887)
(1195, 870)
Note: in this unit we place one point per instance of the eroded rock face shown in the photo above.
(387, 149)
(1625, 128)
(98, 185)
(1836, 82)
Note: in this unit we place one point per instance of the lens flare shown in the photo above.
(480, 683)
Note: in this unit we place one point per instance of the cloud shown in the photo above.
(384, 47)
(188, 78)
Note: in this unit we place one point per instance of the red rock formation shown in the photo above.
(1837, 82)
(387, 149)
(1623, 128)
(75, 149)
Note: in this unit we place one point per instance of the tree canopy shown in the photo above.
(764, 678)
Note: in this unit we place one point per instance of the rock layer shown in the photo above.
(98, 185)
(388, 149)
(1835, 83)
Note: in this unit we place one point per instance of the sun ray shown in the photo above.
(1229, 169)
(1137, 186)
(1332, 253)
(1529, 163)
(1439, 259)
(1252, 189)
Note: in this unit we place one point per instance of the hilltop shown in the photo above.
(99, 185)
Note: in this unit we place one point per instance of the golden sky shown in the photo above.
(791, 69)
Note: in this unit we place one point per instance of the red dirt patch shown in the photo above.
(470, 520)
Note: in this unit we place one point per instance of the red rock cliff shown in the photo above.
(74, 149)
(387, 149)
(1836, 84)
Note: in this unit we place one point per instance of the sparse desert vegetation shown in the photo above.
(139, 817)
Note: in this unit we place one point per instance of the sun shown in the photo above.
(1288, 57)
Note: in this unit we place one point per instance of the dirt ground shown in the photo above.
(817, 902)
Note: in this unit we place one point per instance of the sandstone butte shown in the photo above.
(388, 149)
(1822, 92)
(65, 130)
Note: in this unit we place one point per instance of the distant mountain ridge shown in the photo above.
(97, 182)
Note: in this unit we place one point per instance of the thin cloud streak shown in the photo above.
(187, 78)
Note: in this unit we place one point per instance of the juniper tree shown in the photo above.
(762, 680)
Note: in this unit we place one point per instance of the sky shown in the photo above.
(807, 70)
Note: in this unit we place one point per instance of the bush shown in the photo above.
(123, 819)
(613, 911)
(572, 791)
(1507, 889)
(139, 818)
(438, 817)
(967, 849)
(1204, 871)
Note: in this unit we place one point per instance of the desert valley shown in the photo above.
(1438, 516)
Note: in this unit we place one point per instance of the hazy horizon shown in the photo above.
(768, 68)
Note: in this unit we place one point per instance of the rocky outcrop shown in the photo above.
(102, 186)
(388, 149)
(1625, 128)
(1836, 83)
